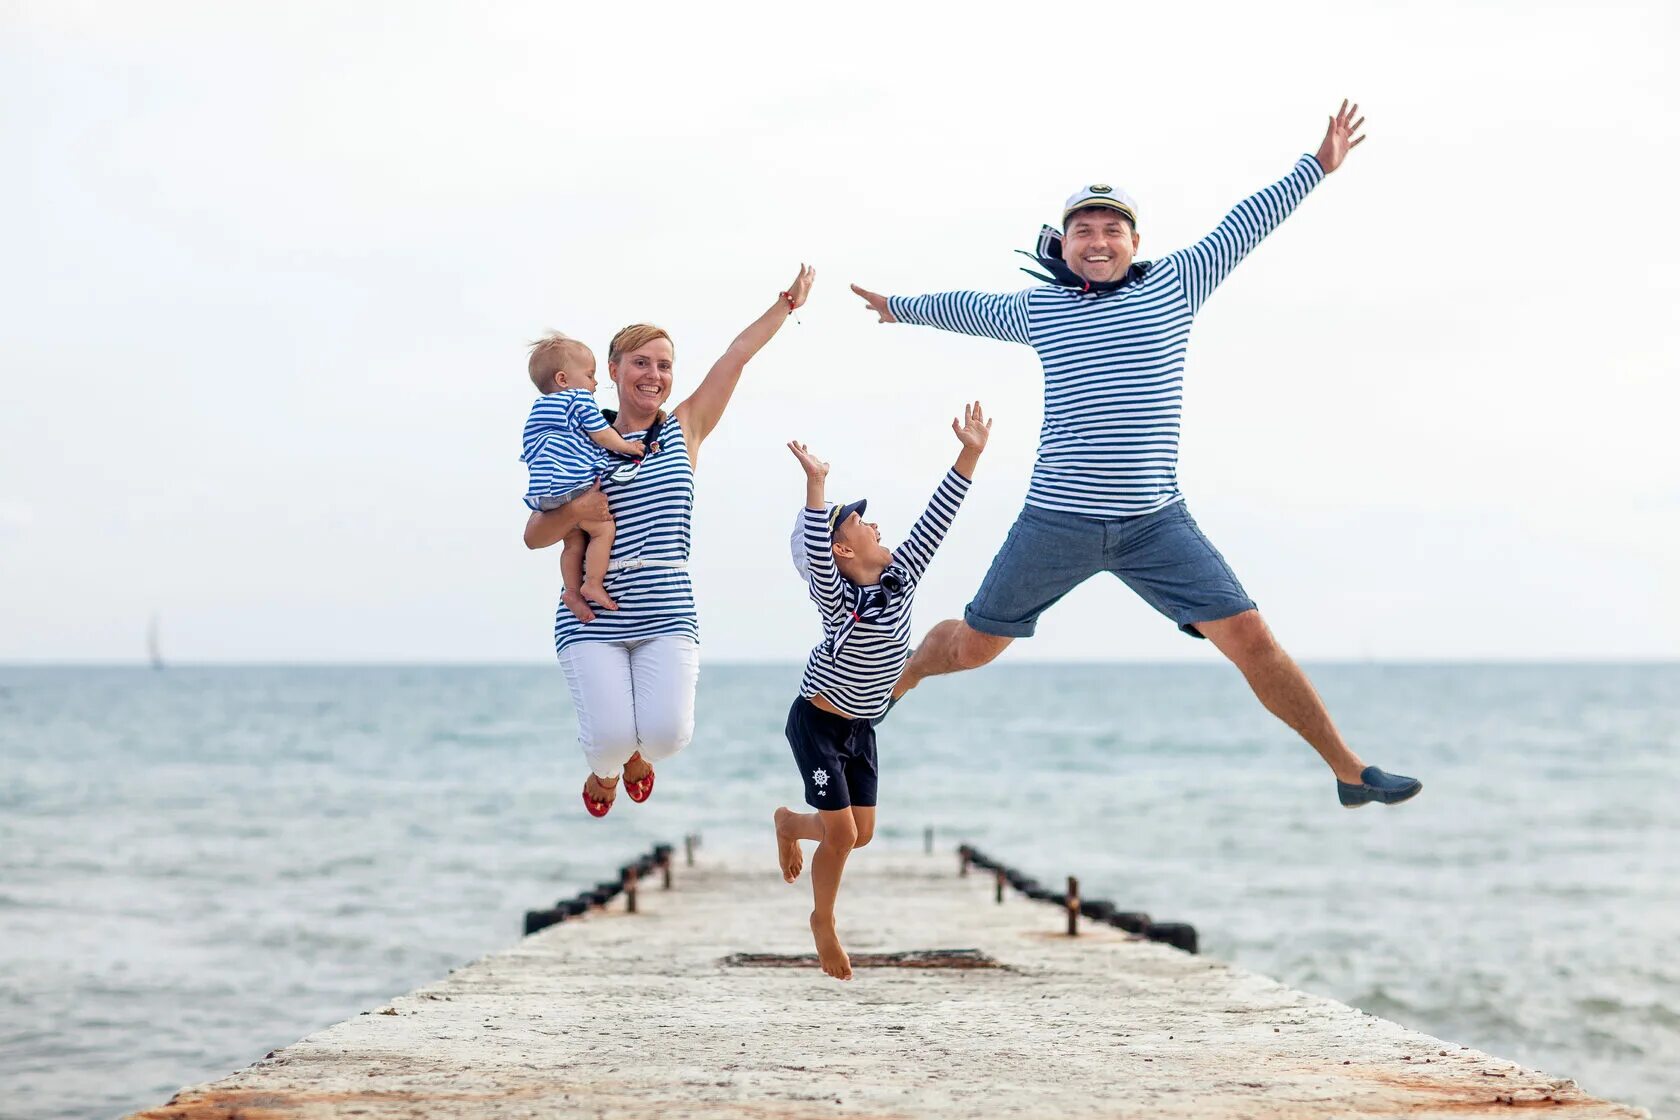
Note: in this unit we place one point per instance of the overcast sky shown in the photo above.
(268, 272)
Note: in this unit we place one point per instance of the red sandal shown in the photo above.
(642, 790)
(596, 807)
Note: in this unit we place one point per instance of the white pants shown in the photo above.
(632, 696)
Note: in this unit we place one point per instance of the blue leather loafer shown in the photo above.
(1377, 785)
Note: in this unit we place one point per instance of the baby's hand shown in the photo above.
(814, 467)
(638, 449)
(973, 429)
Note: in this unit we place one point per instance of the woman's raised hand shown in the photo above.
(800, 290)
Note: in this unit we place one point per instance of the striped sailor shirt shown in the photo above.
(556, 447)
(1114, 361)
(654, 513)
(866, 630)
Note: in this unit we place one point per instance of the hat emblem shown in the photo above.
(1101, 188)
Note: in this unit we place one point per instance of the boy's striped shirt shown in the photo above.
(1114, 361)
(867, 629)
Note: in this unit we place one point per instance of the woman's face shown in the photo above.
(643, 376)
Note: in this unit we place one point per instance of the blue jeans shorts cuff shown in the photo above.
(1214, 614)
(997, 629)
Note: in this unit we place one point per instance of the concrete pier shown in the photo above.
(689, 1008)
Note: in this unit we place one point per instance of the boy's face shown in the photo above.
(855, 538)
(579, 373)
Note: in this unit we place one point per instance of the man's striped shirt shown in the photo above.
(870, 625)
(655, 516)
(1114, 361)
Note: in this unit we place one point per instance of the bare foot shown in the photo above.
(596, 592)
(637, 768)
(788, 853)
(835, 962)
(577, 605)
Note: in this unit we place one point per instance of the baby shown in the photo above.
(863, 593)
(565, 446)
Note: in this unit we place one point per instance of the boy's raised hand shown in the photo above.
(815, 468)
(973, 429)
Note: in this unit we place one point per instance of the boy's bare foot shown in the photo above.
(788, 853)
(596, 592)
(834, 960)
(578, 605)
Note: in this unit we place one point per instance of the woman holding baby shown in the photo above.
(633, 670)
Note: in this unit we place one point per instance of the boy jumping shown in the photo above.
(863, 593)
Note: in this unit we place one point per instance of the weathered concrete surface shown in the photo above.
(634, 1016)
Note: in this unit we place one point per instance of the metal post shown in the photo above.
(1000, 885)
(927, 841)
(630, 891)
(1073, 906)
(688, 848)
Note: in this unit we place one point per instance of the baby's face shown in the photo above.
(580, 375)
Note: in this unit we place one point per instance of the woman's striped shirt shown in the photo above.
(655, 516)
(1114, 361)
(870, 625)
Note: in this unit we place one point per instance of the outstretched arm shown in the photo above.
(601, 433)
(616, 443)
(1205, 264)
(700, 413)
(1003, 317)
(819, 546)
(916, 553)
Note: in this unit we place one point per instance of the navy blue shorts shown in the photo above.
(836, 756)
(1162, 556)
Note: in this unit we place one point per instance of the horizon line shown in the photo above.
(136, 663)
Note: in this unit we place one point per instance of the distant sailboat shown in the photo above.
(152, 646)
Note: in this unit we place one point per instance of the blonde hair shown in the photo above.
(550, 354)
(634, 337)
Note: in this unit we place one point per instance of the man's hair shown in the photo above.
(1096, 209)
(550, 354)
(634, 337)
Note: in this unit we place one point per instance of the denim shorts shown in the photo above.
(1162, 556)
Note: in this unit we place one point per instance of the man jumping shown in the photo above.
(1111, 334)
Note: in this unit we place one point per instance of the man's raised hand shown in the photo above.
(877, 303)
(1340, 138)
(815, 468)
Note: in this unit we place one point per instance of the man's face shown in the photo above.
(1098, 244)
